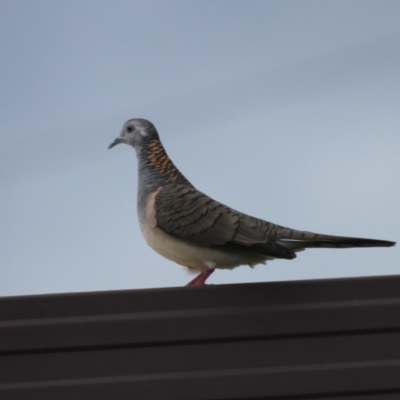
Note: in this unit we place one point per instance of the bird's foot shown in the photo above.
(201, 278)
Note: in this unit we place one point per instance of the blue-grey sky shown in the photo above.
(285, 110)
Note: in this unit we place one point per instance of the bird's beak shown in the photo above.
(118, 140)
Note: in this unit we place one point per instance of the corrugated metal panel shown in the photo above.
(309, 339)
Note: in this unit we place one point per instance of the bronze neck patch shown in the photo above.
(158, 159)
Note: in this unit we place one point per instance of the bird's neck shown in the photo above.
(156, 169)
(155, 163)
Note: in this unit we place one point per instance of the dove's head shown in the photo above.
(136, 132)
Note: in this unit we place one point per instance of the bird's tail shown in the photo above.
(302, 240)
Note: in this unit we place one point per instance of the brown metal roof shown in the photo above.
(321, 339)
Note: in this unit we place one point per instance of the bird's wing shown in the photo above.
(188, 214)
(184, 212)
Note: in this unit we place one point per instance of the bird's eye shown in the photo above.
(129, 129)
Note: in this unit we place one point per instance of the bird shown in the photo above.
(190, 228)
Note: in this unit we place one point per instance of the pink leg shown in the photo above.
(201, 278)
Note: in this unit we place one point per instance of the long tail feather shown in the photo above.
(333, 242)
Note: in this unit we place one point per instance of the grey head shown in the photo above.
(136, 132)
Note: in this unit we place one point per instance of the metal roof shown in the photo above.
(320, 339)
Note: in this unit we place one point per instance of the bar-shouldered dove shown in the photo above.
(188, 227)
